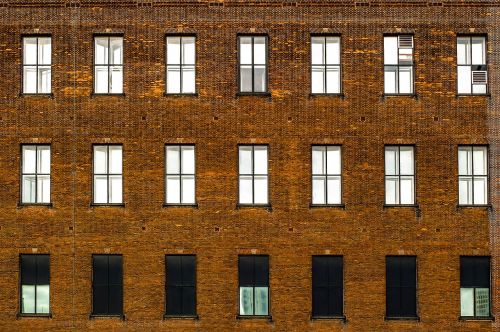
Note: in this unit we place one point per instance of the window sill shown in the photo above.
(172, 205)
(467, 206)
(93, 94)
(121, 205)
(23, 205)
(254, 206)
(263, 317)
(414, 206)
(94, 316)
(194, 94)
(414, 318)
(458, 95)
(193, 317)
(333, 95)
(478, 319)
(341, 318)
(405, 95)
(41, 95)
(334, 206)
(253, 94)
(23, 315)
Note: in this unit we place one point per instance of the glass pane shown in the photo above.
(100, 159)
(245, 50)
(466, 302)
(245, 190)
(391, 160)
(405, 79)
(333, 80)
(188, 190)
(29, 189)
(332, 50)
(390, 78)
(246, 79)
(478, 51)
(480, 157)
(173, 189)
(482, 302)
(464, 79)
(173, 50)
(318, 50)
(173, 155)
(100, 189)
(115, 189)
(334, 193)
(188, 79)
(259, 50)
(29, 79)
(101, 51)
(405, 56)
(465, 190)
(116, 45)
(42, 299)
(246, 301)
(480, 190)
(318, 80)
(318, 160)
(115, 159)
(318, 190)
(28, 299)
(260, 84)
(260, 186)
(29, 159)
(260, 159)
(43, 156)
(173, 79)
(463, 51)
(407, 190)
(188, 160)
(261, 301)
(188, 51)
(101, 79)
(29, 51)
(391, 50)
(44, 82)
(44, 50)
(465, 160)
(479, 88)
(333, 160)
(406, 160)
(116, 84)
(43, 192)
(245, 159)
(391, 190)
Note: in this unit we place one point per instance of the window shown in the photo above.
(108, 174)
(253, 176)
(180, 174)
(472, 74)
(35, 188)
(107, 285)
(472, 175)
(108, 64)
(181, 60)
(253, 63)
(181, 285)
(253, 274)
(37, 51)
(35, 284)
(401, 286)
(326, 174)
(474, 286)
(325, 64)
(327, 285)
(398, 64)
(399, 175)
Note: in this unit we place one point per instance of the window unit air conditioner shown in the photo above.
(479, 77)
(405, 41)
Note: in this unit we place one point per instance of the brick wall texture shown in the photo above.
(216, 120)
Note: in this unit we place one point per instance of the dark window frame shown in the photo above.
(180, 175)
(108, 65)
(470, 36)
(20, 313)
(37, 36)
(107, 174)
(487, 176)
(182, 315)
(414, 204)
(21, 203)
(239, 315)
(413, 67)
(490, 314)
(341, 287)
(326, 175)
(393, 316)
(253, 204)
(326, 66)
(181, 64)
(253, 92)
(93, 313)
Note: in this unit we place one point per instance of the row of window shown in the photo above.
(326, 65)
(253, 178)
(254, 290)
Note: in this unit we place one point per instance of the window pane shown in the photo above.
(320, 301)
(29, 51)
(466, 301)
(245, 270)
(174, 270)
(188, 160)
(463, 51)
(43, 269)
(318, 160)
(28, 299)
(478, 51)
(465, 190)
(44, 50)
(29, 79)
(391, 160)
(115, 159)
(480, 190)
(245, 192)
(390, 79)
(188, 79)
(261, 301)
(29, 157)
(318, 80)
(43, 189)
(333, 80)
(391, 50)
(405, 56)
(333, 160)
(464, 79)
(391, 190)
(100, 295)
(406, 160)
(260, 190)
(245, 50)
(188, 51)
(464, 161)
(101, 51)
(245, 159)
(405, 79)
(333, 50)
(482, 302)
(29, 189)
(480, 160)
(188, 189)
(246, 79)
(115, 300)
(116, 84)
(479, 88)
(101, 79)
(173, 189)
(188, 270)
(173, 154)
(246, 300)
(188, 301)
(100, 159)
(173, 50)
(318, 195)
(116, 45)
(260, 159)
(260, 79)
(44, 81)
(43, 159)
(174, 300)
(28, 269)
(259, 49)
(100, 189)
(407, 190)
(334, 190)
(173, 79)
(115, 189)
(318, 50)
(42, 299)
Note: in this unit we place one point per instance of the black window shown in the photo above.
(474, 286)
(35, 285)
(401, 286)
(327, 286)
(253, 274)
(107, 285)
(181, 285)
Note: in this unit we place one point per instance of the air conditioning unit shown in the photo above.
(405, 41)
(479, 77)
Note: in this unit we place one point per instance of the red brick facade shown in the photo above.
(436, 121)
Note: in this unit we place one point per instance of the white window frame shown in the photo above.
(399, 65)
(109, 66)
(38, 173)
(473, 176)
(397, 176)
(478, 71)
(253, 64)
(325, 175)
(252, 174)
(107, 173)
(39, 66)
(180, 66)
(181, 174)
(325, 67)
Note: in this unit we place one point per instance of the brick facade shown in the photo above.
(436, 121)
